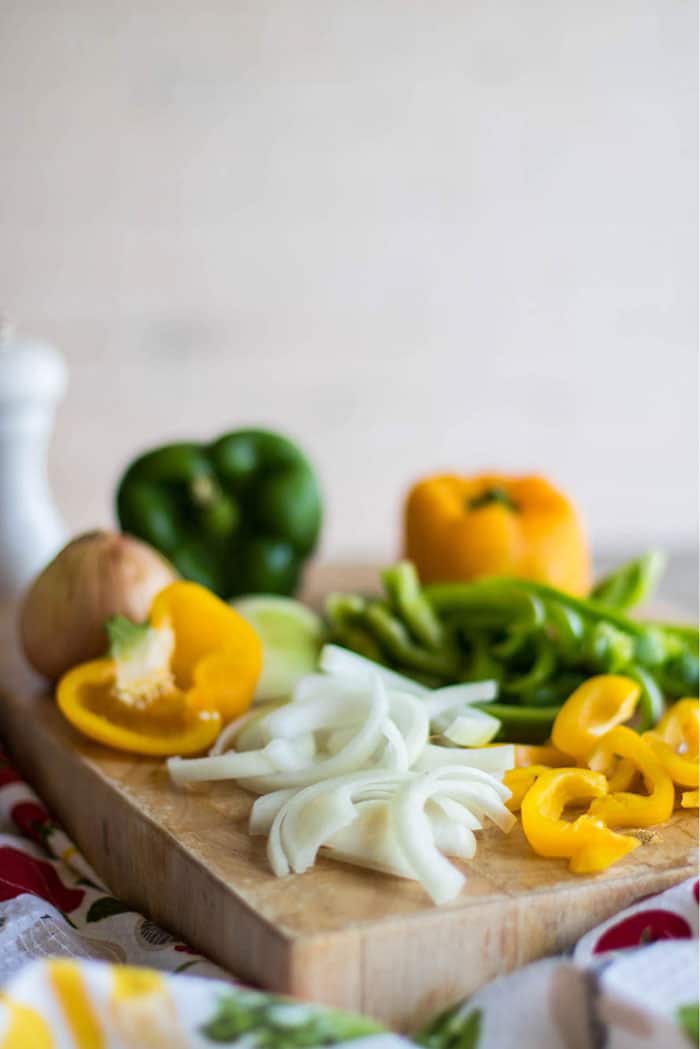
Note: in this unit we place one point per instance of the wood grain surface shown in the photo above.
(336, 934)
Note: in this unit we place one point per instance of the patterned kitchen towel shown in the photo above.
(66, 1004)
(53, 904)
(632, 983)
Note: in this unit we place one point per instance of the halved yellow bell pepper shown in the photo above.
(624, 809)
(218, 655)
(674, 741)
(598, 705)
(586, 842)
(168, 685)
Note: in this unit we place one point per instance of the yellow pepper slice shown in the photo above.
(674, 741)
(527, 754)
(586, 842)
(518, 781)
(683, 769)
(169, 685)
(680, 725)
(598, 705)
(623, 776)
(623, 809)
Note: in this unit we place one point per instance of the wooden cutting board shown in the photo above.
(336, 934)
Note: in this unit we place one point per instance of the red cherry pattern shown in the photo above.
(20, 873)
(30, 818)
(646, 926)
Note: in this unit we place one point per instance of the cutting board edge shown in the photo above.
(85, 826)
(348, 969)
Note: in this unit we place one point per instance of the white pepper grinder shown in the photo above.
(33, 379)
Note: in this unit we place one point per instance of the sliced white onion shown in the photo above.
(289, 755)
(394, 754)
(322, 686)
(228, 734)
(341, 661)
(265, 808)
(411, 822)
(456, 812)
(315, 813)
(231, 765)
(411, 718)
(452, 697)
(316, 713)
(473, 728)
(451, 837)
(481, 801)
(353, 756)
(496, 760)
(412, 829)
(253, 734)
(347, 766)
(369, 841)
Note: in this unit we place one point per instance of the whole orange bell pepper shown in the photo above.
(167, 685)
(463, 528)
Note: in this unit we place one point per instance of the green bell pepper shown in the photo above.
(239, 515)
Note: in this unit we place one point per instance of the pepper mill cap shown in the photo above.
(30, 370)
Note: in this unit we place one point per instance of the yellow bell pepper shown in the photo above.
(598, 705)
(218, 655)
(674, 741)
(690, 799)
(623, 809)
(586, 842)
(168, 685)
(464, 528)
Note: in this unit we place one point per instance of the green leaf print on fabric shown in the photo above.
(271, 1022)
(106, 907)
(457, 1028)
(688, 1017)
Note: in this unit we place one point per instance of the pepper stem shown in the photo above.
(142, 656)
(496, 495)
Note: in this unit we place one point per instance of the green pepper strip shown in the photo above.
(344, 613)
(567, 627)
(393, 635)
(539, 672)
(632, 583)
(510, 604)
(405, 594)
(482, 666)
(651, 701)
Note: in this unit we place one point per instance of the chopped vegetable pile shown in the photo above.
(348, 765)
(536, 642)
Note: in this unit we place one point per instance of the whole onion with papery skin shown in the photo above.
(97, 575)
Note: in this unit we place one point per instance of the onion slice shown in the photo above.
(341, 661)
(497, 760)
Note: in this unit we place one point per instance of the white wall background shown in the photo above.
(415, 234)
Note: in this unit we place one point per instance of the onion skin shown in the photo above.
(97, 575)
